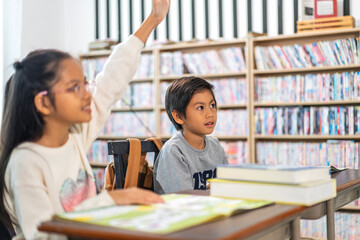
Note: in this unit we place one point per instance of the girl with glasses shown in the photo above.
(49, 122)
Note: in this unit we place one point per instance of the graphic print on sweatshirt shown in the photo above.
(73, 193)
(201, 177)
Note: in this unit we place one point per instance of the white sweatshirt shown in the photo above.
(44, 181)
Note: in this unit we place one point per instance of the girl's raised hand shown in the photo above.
(159, 9)
(134, 196)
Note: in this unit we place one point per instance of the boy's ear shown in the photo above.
(42, 104)
(177, 117)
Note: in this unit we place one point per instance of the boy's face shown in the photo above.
(201, 114)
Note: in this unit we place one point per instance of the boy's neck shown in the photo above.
(196, 141)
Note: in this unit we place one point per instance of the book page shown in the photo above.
(178, 212)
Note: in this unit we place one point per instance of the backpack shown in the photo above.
(138, 172)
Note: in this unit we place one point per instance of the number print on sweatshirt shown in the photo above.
(201, 177)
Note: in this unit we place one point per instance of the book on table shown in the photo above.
(307, 194)
(273, 173)
(178, 212)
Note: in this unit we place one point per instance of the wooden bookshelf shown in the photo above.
(301, 38)
(157, 79)
(250, 73)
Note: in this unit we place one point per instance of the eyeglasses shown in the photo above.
(79, 89)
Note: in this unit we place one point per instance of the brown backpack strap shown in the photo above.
(156, 141)
(134, 163)
(110, 180)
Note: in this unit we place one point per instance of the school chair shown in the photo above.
(136, 173)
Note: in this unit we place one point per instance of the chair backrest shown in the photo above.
(120, 150)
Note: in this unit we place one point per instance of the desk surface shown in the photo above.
(239, 226)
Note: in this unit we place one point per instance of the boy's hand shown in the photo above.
(159, 9)
(134, 196)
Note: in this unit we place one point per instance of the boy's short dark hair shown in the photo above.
(180, 92)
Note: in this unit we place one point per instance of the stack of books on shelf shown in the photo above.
(225, 60)
(324, 53)
(295, 185)
(334, 120)
(337, 153)
(102, 45)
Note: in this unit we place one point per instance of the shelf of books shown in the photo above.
(224, 65)
(141, 113)
(306, 106)
(129, 114)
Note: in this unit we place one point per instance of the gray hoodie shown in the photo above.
(179, 166)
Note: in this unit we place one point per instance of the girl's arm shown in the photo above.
(159, 10)
(118, 71)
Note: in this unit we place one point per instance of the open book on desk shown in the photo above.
(179, 211)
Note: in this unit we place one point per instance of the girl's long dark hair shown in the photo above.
(21, 122)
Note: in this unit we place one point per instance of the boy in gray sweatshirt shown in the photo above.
(190, 157)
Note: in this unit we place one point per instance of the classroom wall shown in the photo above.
(63, 24)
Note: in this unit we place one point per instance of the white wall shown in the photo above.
(355, 11)
(78, 25)
(12, 28)
(1, 50)
(32, 24)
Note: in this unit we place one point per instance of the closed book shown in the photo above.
(306, 194)
(273, 173)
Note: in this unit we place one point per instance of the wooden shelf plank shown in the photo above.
(312, 35)
(136, 109)
(205, 76)
(98, 165)
(141, 80)
(218, 137)
(231, 106)
(106, 53)
(306, 137)
(326, 103)
(232, 137)
(307, 70)
(225, 106)
(201, 44)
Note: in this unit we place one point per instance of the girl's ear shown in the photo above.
(42, 103)
(177, 117)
